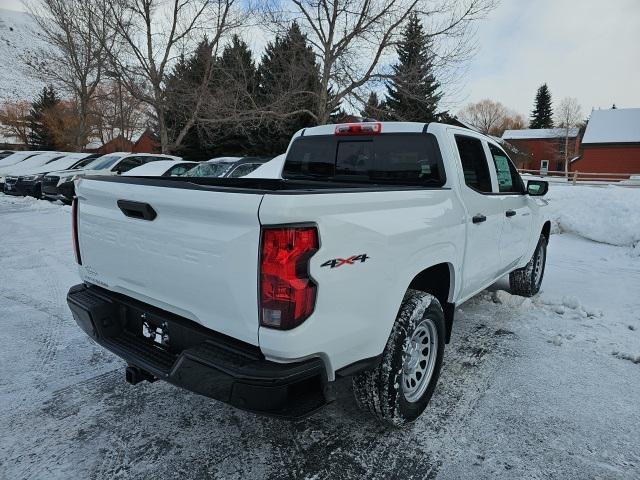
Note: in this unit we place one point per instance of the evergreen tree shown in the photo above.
(185, 77)
(373, 109)
(288, 79)
(233, 88)
(40, 136)
(413, 93)
(542, 114)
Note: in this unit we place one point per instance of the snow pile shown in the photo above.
(505, 298)
(602, 214)
(33, 204)
(570, 303)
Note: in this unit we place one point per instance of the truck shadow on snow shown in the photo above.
(107, 428)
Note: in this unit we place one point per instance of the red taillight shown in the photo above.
(74, 230)
(287, 291)
(358, 129)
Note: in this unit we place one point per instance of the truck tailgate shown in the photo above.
(197, 258)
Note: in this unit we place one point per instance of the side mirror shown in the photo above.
(537, 188)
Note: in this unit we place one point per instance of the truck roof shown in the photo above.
(386, 127)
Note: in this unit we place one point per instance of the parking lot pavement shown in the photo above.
(542, 388)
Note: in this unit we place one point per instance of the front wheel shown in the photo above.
(526, 281)
(399, 388)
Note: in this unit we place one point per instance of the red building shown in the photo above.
(147, 143)
(118, 144)
(611, 143)
(543, 147)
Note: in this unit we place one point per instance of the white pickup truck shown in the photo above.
(263, 292)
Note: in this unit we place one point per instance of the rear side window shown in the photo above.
(395, 159)
(508, 178)
(474, 163)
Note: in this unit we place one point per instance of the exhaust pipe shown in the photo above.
(135, 375)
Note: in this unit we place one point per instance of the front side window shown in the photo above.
(474, 163)
(508, 178)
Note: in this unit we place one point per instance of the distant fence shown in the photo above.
(586, 178)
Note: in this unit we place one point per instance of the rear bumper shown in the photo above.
(197, 358)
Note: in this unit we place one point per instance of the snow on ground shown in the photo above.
(531, 388)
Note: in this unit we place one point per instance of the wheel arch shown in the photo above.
(546, 230)
(439, 281)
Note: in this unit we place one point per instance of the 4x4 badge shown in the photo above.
(337, 262)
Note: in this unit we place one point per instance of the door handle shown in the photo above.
(140, 210)
(510, 213)
(479, 218)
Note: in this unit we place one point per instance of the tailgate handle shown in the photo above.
(140, 210)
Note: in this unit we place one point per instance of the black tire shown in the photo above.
(526, 281)
(381, 391)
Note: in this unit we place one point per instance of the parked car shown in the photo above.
(31, 184)
(60, 185)
(162, 168)
(271, 169)
(14, 159)
(228, 167)
(10, 174)
(263, 292)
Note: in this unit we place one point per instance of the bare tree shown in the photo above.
(14, 120)
(568, 115)
(491, 117)
(351, 38)
(117, 113)
(150, 34)
(73, 58)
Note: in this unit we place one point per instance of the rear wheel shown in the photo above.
(526, 281)
(398, 390)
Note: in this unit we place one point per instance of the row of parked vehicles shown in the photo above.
(52, 175)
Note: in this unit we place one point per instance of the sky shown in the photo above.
(588, 49)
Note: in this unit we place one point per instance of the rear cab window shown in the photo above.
(407, 159)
